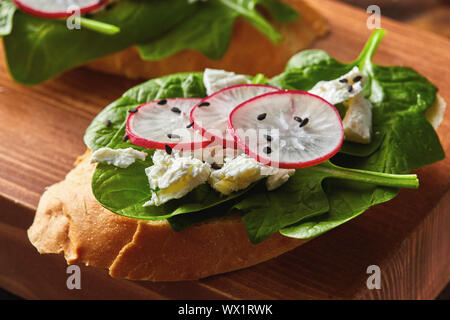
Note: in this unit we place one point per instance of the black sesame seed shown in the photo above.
(173, 136)
(204, 104)
(162, 102)
(343, 81)
(176, 110)
(134, 110)
(267, 150)
(267, 137)
(215, 166)
(109, 5)
(357, 78)
(125, 138)
(304, 122)
(262, 116)
(350, 88)
(298, 119)
(190, 125)
(168, 149)
(108, 123)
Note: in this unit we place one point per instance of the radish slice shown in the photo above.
(54, 9)
(287, 129)
(210, 116)
(165, 124)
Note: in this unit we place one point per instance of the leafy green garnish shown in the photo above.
(279, 11)
(98, 26)
(315, 199)
(302, 197)
(217, 18)
(38, 49)
(406, 141)
(400, 96)
(195, 34)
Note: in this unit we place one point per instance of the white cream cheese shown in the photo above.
(348, 88)
(174, 176)
(214, 155)
(240, 172)
(358, 120)
(215, 80)
(121, 158)
(341, 89)
(279, 178)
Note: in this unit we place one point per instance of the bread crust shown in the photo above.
(69, 220)
(249, 52)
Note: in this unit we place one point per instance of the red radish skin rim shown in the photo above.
(214, 137)
(149, 144)
(57, 15)
(284, 165)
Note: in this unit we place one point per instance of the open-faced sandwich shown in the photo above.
(151, 38)
(196, 174)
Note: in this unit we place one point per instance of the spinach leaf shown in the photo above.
(347, 201)
(399, 95)
(183, 221)
(38, 49)
(406, 140)
(7, 10)
(279, 11)
(246, 9)
(302, 198)
(195, 34)
(264, 213)
(209, 30)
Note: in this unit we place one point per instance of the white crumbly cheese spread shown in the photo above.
(240, 172)
(121, 158)
(341, 89)
(173, 176)
(348, 88)
(358, 120)
(215, 80)
(280, 177)
(214, 154)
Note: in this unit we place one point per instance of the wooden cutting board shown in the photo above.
(41, 131)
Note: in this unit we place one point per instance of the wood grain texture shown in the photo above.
(41, 131)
